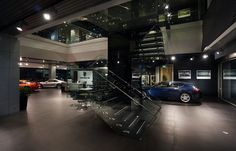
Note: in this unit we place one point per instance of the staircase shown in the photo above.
(149, 44)
(124, 108)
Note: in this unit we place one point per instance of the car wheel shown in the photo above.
(185, 97)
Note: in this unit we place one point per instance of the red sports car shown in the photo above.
(33, 86)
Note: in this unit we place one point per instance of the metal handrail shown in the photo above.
(125, 93)
(143, 94)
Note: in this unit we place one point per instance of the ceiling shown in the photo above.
(140, 13)
(28, 13)
(13, 11)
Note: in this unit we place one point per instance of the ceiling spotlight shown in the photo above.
(21, 59)
(118, 62)
(173, 58)
(20, 64)
(26, 64)
(191, 59)
(217, 52)
(47, 16)
(205, 56)
(153, 61)
(169, 15)
(19, 28)
(64, 22)
(166, 6)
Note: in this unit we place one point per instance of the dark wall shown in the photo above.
(36, 74)
(208, 87)
(220, 15)
(119, 50)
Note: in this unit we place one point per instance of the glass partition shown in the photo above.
(229, 81)
(67, 33)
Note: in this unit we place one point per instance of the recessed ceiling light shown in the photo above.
(166, 6)
(217, 52)
(47, 16)
(19, 28)
(173, 58)
(205, 56)
(118, 62)
(191, 59)
(21, 59)
(26, 64)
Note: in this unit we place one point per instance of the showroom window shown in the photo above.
(229, 81)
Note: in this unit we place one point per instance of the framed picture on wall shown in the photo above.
(184, 74)
(203, 74)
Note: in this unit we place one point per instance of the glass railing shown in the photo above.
(68, 34)
(124, 108)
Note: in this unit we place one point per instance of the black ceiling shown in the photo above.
(141, 13)
(13, 11)
(29, 12)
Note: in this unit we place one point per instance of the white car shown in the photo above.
(52, 83)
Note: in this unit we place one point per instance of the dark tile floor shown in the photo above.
(52, 124)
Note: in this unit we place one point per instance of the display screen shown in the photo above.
(203, 74)
(184, 74)
(85, 77)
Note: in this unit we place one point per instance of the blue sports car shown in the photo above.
(174, 90)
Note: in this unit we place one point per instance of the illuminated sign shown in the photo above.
(184, 13)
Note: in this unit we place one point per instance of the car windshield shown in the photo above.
(163, 84)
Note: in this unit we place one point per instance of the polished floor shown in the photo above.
(52, 123)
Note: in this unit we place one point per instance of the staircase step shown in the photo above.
(149, 46)
(119, 112)
(148, 54)
(109, 100)
(151, 50)
(141, 127)
(135, 120)
(152, 39)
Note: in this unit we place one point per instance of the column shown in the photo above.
(52, 71)
(9, 75)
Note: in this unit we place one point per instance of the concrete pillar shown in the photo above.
(9, 75)
(52, 72)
